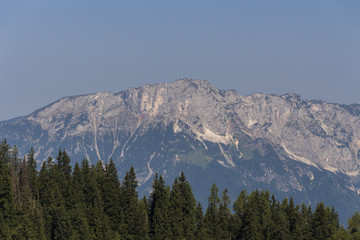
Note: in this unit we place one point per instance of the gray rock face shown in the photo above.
(282, 143)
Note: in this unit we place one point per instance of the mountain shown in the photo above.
(293, 147)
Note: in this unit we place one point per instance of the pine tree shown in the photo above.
(63, 163)
(251, 221)
(131, 206)
(7, 205)
(306, 216)
(265, 213)
(239, 209)
(212, 213)
(278, 228)
(31, 211)
(176, 211)
(63, 177)
(325, 222)
(225, 216)
(293, 216)
(200, 228)
(182, 209)
(354, 225)
(77, 210)
(55, 210)
(97, 220)
(159, 210)
(111, 196)
(142, 225)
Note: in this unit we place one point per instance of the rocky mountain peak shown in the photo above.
(190, 125)
(314, 132)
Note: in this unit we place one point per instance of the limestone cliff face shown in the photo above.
(317, 133)
(283, 141)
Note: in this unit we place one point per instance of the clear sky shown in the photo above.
(52, 49)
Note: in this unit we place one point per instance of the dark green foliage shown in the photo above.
(212, 226)
(111, 194)
(159, 215)
(278, 227)
(134, 211)
(142, 227)
(354, 225)
(94, 210)
(225, 219)
(7, 204)
(89, 202)
(199, 218)
(182, 210)
(325, 222)
(77, 210)
(239, 209)
(251, 225)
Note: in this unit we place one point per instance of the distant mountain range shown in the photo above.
(293, 147)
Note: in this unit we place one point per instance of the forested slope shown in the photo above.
(89, 202)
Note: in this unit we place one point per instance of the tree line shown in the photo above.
(90, 202)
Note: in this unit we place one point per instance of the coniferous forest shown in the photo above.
(90, 202)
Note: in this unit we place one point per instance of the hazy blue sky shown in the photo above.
(52, 49)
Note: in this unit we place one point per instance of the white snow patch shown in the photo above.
(78, 148)
(251, 122)
(311, 176)
(149, 168)
(315, 108)
(353, 173)
(331, 168)
(327, 129)
(176, 127)
(222, 163)
(354, 189)
(210, 136)
(228, 159)
(122, 151)
(114, 130)
(298, 158)
(95, 136)
(177, 159)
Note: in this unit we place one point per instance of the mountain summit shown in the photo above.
(294, 147)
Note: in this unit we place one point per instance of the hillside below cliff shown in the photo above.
(305, 148)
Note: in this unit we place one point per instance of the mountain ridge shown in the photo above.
(281, 142)
(137, 100)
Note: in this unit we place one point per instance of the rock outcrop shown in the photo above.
(283, 143)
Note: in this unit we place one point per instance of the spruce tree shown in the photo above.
(159, 210)
(77, 212)
(225, 228)
(200, 228)
(97, 220)
(325, 222)
(239, 209)
(55, 208)
(7, 205)
(265, 213)
(354, 225)
(294, 219)
(142, 224)
(182, 209)
(212, 213)
(111, 196)
(176, 211)
(131, 206)
(306, 224)
(278, 228)
(251, 228)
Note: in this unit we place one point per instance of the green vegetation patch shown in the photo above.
(196, 158)
(247, 153)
